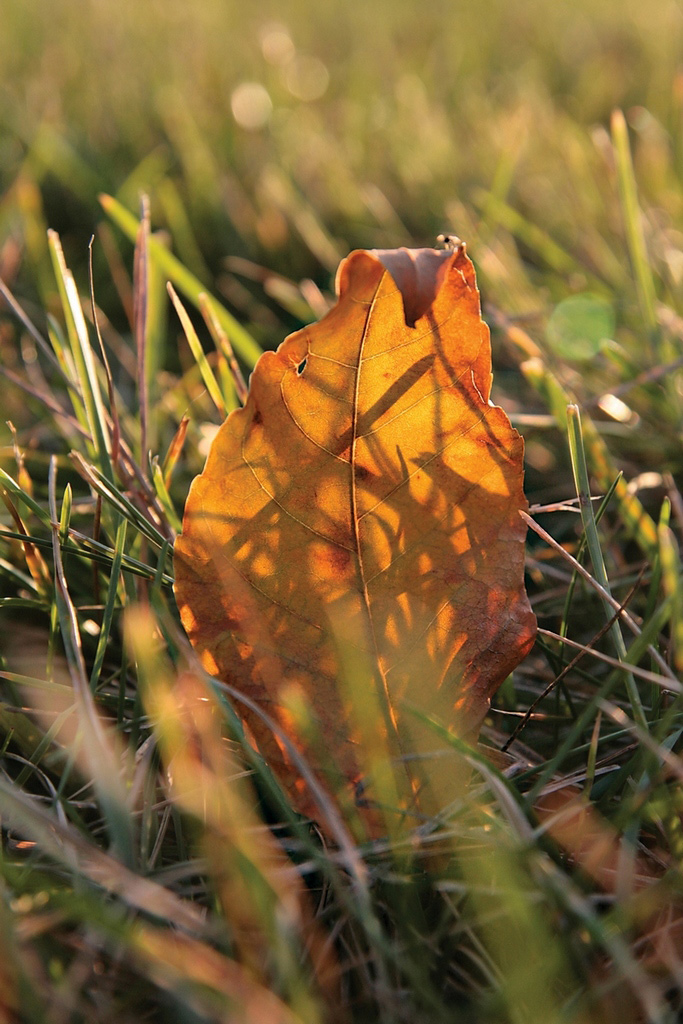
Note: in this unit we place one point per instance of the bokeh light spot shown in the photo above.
(251, 105)
(307, 78)
(276, 43)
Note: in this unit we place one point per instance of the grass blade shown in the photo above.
(638, 521)
(140, 304)
(198, 353)
(633, 222)
(582, 483)
(672, 579)
(108, 614)
(102, 762)
(83, 356)
(186, 282)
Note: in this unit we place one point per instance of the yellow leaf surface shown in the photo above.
(354, 537)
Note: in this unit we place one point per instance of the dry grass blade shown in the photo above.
(174, 450)
(583, 650)
(618, 715)
(34, 559)
(665, 682)
(63, 842)
(48, 400)
(622, 612)
(184, 964)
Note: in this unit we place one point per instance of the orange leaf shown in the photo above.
(354, 537)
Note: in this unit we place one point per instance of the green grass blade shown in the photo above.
(602, 508)
(140, 310)
(95, 551)
(633, 223)
(637, 520)
(117, 500)
(580, 470)
(164, 497)
(82, 355)
(532, 236)
(184, 281)
(198, 353)
(106, 772)
(13, 487)
(110, 604)
(180, 226)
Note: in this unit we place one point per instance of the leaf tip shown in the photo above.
(419, 275)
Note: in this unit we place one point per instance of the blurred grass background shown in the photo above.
(293, 132)
(139, 879)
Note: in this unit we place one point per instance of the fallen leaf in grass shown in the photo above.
(354, 538)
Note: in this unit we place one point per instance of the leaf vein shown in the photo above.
(407, 479)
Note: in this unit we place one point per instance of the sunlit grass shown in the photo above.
(152, 867)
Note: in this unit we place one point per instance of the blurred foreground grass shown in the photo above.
(140, 875)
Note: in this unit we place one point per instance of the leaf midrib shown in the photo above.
(379, 674)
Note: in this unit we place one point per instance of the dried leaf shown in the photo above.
(418, 274)
(357, 522)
